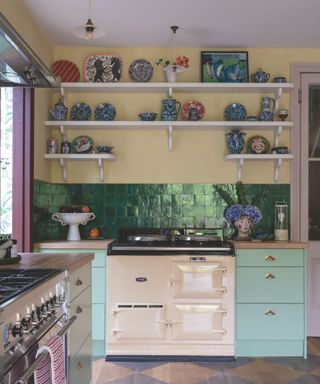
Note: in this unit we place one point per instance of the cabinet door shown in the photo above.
(270, 285)
(199, 322)
(198, 280)
(140, 321)
(81, 365)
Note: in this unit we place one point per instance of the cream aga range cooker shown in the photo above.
(170, 295)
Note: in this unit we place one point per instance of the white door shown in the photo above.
(310, 191)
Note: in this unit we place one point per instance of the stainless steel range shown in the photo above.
(170, 295)
(32, 308)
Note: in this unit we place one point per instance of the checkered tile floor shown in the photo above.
(272, 370)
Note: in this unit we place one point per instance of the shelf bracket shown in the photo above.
(278, 131)
(101, 171)
(239, 169)
(170, 91)
(170, 138)
(277, 165)
(63, 165)
(277, 96)
(63, 132)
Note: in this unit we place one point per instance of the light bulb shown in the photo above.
(89, 29)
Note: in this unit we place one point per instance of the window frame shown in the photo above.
(23, 170)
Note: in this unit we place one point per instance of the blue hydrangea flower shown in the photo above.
(234, 212)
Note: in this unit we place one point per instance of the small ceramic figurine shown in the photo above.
(260, 76)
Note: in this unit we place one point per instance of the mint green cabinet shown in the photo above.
(270, 302)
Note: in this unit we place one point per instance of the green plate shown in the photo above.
(10, 260)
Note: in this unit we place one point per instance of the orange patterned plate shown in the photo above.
(66, 70)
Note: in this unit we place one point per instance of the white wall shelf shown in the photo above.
(170, 126)
(277, 158)
(64, 158)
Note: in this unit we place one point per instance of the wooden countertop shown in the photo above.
(269, 244)
(69, 261)
(67, 244)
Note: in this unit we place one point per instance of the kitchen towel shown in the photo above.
(52, 369)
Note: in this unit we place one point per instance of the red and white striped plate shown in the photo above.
(68, 71)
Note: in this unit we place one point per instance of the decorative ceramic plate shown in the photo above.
(258, 145)
(105, 112)
(10, 260)
(82, 144)
(235, 112)
(80, 111)
(141, 70)
(66, 70)
(193, 111)
(102, 68)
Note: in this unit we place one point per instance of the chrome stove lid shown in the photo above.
(146, 238)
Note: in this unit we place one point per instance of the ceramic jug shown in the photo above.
(267, 111)
(260, 76)
(170, 109)
(59, 112)
(235, 141)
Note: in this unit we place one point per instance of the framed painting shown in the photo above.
(224, 67)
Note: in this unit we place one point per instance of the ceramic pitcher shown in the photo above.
(267, 110)
(170, 109)
(59, 112)
(235, 141)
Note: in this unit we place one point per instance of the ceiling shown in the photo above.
(202, 23)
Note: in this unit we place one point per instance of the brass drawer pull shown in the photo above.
(79, 282)
(270, 258)
(269, 276)
(79, 309)
(79, 365)
(269, 312)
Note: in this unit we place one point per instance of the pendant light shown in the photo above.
(89, 26)
(90, 31)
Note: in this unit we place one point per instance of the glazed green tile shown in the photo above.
(200, 200)
(110, 200)
(132, 211)
(132, 222)
(166, 200)
(187, 189)
(133, 189)
(110, 211)
(200, 189)
(188, 222)
(200, 222)
(121, 211)
(199, 211)
(143, 201)
(175, 189)
(154, 201)
(133, 200)
(187, 200)
(175, 221)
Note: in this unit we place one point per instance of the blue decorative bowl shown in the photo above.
(104, 148)
(235, 112)
(148, 116)
(105, 112)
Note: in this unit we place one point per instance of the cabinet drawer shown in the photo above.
(81, 307)
(80, 365)
(270, 285)
(270, 321)
(272, 257)
(80, 280)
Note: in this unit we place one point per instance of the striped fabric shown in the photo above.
(52, 369)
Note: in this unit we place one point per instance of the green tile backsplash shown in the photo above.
(148, 205)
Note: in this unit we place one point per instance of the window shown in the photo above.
(16, 154)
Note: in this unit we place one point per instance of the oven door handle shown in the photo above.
(29, 372)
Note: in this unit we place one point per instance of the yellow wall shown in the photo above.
(22, 21)
(198, 155)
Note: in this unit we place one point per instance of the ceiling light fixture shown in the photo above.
(89, 26)
(90, 31)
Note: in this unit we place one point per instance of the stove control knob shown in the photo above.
(26, 324)
(16, 330)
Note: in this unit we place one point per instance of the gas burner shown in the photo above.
(146, 238)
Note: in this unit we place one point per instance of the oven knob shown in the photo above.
(26, 324)
(16, 330)
(38, 312)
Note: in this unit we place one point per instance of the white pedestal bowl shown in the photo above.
(73, 220)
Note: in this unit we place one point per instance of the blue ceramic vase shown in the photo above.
(235, 141)
(170, 109)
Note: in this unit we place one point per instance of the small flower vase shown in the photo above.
(171, 72)
(244, 226)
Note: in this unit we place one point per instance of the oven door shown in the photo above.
(199, 277)
(20, 355)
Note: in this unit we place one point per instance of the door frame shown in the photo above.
(295, 191)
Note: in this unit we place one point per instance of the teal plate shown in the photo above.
(10, 260)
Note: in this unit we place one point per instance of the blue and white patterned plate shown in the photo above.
(80, 111)
(141, 70)
(105, 112)
(235, 112)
